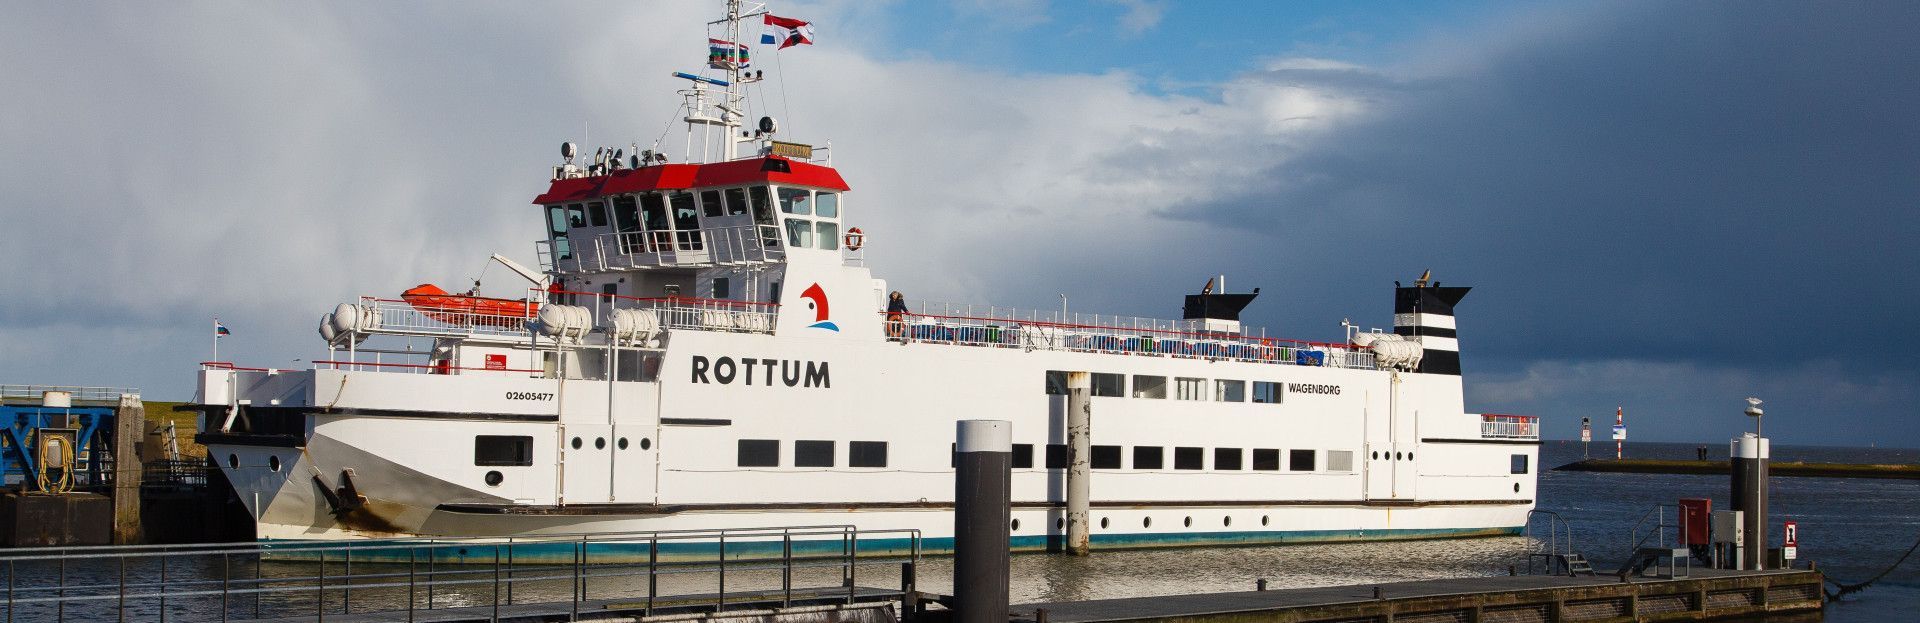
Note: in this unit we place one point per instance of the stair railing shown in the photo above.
(1663, 517)
(1549, 554)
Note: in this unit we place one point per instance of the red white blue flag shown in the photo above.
(723, 54)
(786, 31)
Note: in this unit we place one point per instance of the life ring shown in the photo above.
(855, 239)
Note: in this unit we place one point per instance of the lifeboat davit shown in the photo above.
(468, 310)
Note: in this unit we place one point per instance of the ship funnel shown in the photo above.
(1424, 313)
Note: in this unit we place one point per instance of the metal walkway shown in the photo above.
(469, 579)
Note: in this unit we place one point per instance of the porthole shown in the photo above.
(645, 443)
(1146, 522)
(621, 444)
(1103, 523)
(494, 478)
(1409, 456)
(1188, 522)
(1060, 524)
(1396, 455)
(1226, 521)
(1015, 525)
(599, 443)
(273, 463)
(233, 461)
(1516, 487)
(1376, 455)
(577, 443)
(1263, 520)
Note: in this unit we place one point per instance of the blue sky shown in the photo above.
(1663, 206)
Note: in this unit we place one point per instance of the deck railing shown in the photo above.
(1496, 426)
(1113, 334)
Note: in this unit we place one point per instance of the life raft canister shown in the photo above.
(855, 239)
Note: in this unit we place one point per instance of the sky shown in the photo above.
(1661, 206)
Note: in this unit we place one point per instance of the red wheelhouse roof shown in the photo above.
(685, 176)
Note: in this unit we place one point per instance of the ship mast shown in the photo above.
(728, 113)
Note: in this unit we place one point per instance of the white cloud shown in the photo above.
(1140, 15)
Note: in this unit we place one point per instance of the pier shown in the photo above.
(1704, 594)
(1721, 468)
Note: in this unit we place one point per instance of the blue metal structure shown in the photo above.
(20, 448)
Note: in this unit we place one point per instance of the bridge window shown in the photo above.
(1266, 393)
(826, 204)
(737, 201)
(654, 208)
(1149, 457)
(1149, 386)
(762, 206)
(597, 214)
(626, 213)
(710, 203)
(1230, 391)
(795, 200)
(576, 216)
(1266, 460)
(829, 237)
(799, 233)
(866, 454)
(557, 226)
(508, 450)
(759, 453)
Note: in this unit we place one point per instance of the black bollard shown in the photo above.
(1750, 455)
(982, 498)
(1260, 584)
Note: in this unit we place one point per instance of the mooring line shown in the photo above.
(1846, 589)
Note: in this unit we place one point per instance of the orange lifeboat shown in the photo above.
(468, 310)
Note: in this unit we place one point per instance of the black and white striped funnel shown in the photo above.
(1425, 312)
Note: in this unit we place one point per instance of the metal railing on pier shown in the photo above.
(557, 576)
(79, 394)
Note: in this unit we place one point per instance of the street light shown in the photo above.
(1753, 411)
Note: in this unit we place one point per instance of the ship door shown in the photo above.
(586, 455)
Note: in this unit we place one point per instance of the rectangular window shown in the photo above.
(597, 214)
(1266, 392)
(795, 200)
(1106, 457)
(812, 453)
(866, 454)
(1299, 460)
(736, 201)
(759, 453)
(503, 450)
(1148, 457)
(1266, 460)
(762, 206)
(710, 203)
(610, 290)
(653, 212)
(799, 233)
(1149, 386)
(828, 235)
(1227, 458)
(1339, 460)
(1188, 388)
(1022, 456)
(1057, 456)
(1109, 385)
(576, 216)
(722, 288)
(826, 205)
(1519, 464)
(1189, 458)
(1056, 383)
(1230, 391)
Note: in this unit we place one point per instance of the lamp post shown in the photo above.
(1753, 411)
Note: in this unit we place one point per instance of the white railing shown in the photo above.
(1495, 426)
(680, 312)
(79, 394)
(1010, 328)
(717, 246)
(398, 317)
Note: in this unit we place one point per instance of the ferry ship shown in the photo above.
(703, 346)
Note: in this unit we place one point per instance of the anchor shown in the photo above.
(344, 500)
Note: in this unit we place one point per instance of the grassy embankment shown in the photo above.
(185, 423)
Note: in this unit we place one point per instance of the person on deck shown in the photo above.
(897, 316)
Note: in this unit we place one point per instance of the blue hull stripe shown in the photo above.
(549, 552)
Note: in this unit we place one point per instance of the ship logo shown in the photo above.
(817, 299)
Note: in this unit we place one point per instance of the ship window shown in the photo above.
(812, 453)
(1339, 460)
(866, 454)
(686, 218)
(1148, 457)
(799, 233)
(1299, 460)
(1057, 456)
(1106, 457)
(829, 235)
(759, 453)
(1188, 388)
(1022, 456)
(1266, 460)
(1056, 383)
(795, 200)
(597, 214)
(1227, 458)
(1519, 464)
(557, 220)
(710, 203)
(508, 450)
(576, 216)
(722, 288)
(736, 201)
(1149, 386)
(1266, 392)
(1189, 458)
(1110, 385)
(826, 204)
(762, 208)
(626, 213)
(1230, 391)
(653, 209)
